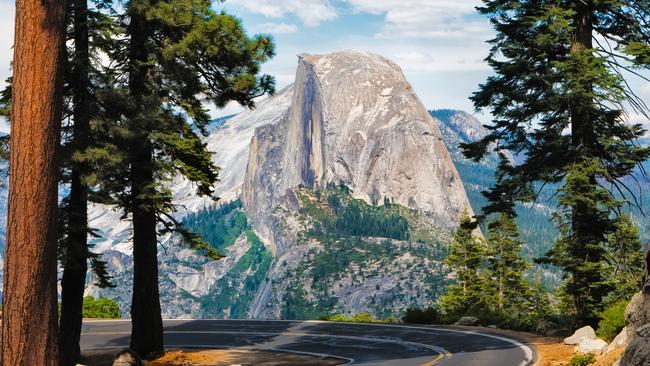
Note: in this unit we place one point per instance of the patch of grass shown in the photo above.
(582, 360)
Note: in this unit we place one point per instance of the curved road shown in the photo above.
(359, 344)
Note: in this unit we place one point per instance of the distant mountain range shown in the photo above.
(338, 195)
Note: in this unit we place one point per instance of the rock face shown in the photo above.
(620, 340)
(353, 119)
(637, 316)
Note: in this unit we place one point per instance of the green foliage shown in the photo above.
(168, 60)
(101, 308)
(468, 295)
(559, 101)
(363, 317)
(352, 217)
(505, 266)
(220, 225)
(238, 287)
(613, 320)
(583, 359)
(430, 315)
(624, 260)
(357, 247)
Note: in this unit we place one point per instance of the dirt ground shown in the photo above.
(551, 351)
(216, 358)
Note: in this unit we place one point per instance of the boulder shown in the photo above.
(547, 328)
(621, 339)
(581, 334)
(127, 358)
(637, 313)
(637, 353)
(595, 346)
(467, 320)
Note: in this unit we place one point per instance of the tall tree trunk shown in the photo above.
(585, 230)
(29, 317)
(75, 264)
(147, 329)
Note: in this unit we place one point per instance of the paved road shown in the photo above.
(359, 344)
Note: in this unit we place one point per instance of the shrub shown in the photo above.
(429, 315)
(102, 308)
(363, 318)
(582, 360)
(613, 320)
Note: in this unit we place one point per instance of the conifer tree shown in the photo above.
(174, 57)
(624, 259)
(467, 295)
(505, 264)
(560, 100)
(89, 31)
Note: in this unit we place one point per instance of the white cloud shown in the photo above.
(275, 28)
(425, 19)
(311, 12)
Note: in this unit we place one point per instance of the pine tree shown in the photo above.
(624, 259)
(505, 264)
(29, 329)
(176, 56)
(89, 30)
(559, 100)
(467, 296)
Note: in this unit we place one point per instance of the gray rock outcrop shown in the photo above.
(580, 335)
(620, 340)
(637, 316)
(595, 346)
(467, 321)
(354, 119)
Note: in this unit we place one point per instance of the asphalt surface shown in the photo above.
(358, 344)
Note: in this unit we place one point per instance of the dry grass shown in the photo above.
(237, 357)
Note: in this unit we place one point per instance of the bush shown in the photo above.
(363, 318)
(429, 315)
(582, 360)
(101, 308)
(613, 320)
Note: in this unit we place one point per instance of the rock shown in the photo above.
(637, 353)
(344, 125)
(637, 313)
(547, 328)
(644, 331)
(595, 346)
(620, 340)
(127, 358)
(467, 320)
(581, 334)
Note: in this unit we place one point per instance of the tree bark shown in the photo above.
(76, 243)
(29, 318)
(147, 329)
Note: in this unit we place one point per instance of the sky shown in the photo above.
(439, 44)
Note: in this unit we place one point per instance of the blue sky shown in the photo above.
(440, 44)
